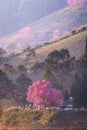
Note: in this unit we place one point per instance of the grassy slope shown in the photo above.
(75, 44)
(64, 20)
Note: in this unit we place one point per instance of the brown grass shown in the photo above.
(15, 119)
(75, 44)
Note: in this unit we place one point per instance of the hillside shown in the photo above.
(75, 44)
(54, 25)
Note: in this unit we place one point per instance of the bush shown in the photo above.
(37, 66)
(18, 117)
(9, 117)
(21, 117)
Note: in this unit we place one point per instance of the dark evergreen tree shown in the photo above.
(56, 63)
(21, 69)
(79, 91)
(65, 53)
(21, 91)
(66, 96)
(6, 85)
(76, 91)
(83, 97)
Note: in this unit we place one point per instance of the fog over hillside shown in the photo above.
(15, 14)
(34, 22)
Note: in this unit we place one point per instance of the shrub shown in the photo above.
(31, 118)
(21, 117)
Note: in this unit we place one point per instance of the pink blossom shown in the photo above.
(42, 93)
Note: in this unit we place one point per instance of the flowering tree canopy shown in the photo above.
(42, 93)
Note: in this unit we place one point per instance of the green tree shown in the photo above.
(65, 53)
(79, 91)
(21, 69)
(22, 84)
(55, 63)
(83, 97)
(8, 68)
(76, 90)
(6, 85)
(37, 66)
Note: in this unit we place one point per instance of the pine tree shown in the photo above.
(23, 82)
(83, 97)
(76, 90)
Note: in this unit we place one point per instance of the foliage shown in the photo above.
(21, 117)
(58, 59)
(30, 117)
(57, 63)
(79, 87)
(41, 93)
(10, 117)
(23, 80)
(38, 118)
(83, 60)
(8, 68)
(47, 115)
(21, 89)
(21, 69)
(37, 66)
(6, 85)
(79, 91)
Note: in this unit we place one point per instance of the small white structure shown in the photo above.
(68, 107)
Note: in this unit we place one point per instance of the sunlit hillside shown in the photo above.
(75, 44)
(54, 25)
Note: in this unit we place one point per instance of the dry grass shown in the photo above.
(75, 44)
(44, 120)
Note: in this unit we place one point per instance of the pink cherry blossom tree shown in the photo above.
(43, 94)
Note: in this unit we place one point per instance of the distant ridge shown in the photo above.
(54, 25)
